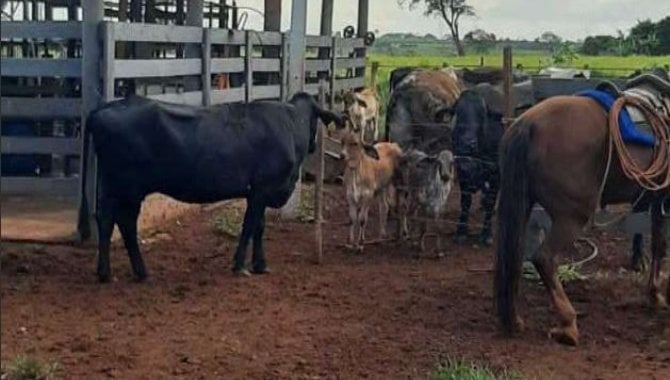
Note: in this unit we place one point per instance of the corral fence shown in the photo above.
(187, 65)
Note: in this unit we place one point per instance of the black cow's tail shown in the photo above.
(83, 223)
(513, 211)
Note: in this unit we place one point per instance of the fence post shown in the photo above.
(206, 67)
(91, 94)
(248, 52)
(108, 56)
(481, 61)
(507, 85)
(333, 71)
(318, 186)
(373, 75)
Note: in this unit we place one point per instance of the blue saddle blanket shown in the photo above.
(629, 131)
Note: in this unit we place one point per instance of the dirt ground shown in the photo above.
(379, 315)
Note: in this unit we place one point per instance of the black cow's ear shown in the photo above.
(371, 151)
(442, 112)
(328, 117)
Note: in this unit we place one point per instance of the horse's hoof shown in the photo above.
(241, 272)
(565, 335)
(260, 271)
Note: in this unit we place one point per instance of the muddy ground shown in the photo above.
(383, 314)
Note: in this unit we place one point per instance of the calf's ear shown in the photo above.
(362, 102)
(371, 151)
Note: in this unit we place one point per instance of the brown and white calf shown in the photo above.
(423, 184)
(368, 174)
(362, 107)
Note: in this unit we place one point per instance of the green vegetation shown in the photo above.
(29, 368)
(566, 273)
(458, 370)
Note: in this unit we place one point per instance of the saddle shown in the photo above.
(651, 89)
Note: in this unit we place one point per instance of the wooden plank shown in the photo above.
(284, 68)
(192, 98)
(227, 65)
(41, 108)
(231, 95)
(227, 37)
(142, 68)
(265, 38)
(333, 67)
(349, 63)
(41, 145)
(314, 65)
(157, 33)
(63, 187)
(350, 43)
(349, 83)
(265, 64)
(318, 41)
(36, 67)
(266, 92)
(41, 29)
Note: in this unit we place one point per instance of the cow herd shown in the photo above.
(443, 124)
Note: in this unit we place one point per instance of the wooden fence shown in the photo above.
(181, 69)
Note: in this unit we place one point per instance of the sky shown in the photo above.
(516, 19)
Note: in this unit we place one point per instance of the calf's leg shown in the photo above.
(362, 221)
(353, 220)
(383, 214)
(126, 219)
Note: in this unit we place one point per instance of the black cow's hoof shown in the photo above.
(260, 271)
(142, 278)
(104, 279)
(461, 239)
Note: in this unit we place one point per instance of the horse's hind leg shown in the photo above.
(658, 248)
(563, 233)
(126, 218)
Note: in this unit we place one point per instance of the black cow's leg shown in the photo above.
(126, 218)
(468, 186)
(248, 228)
(105, 219)
(489, 197)
(259, 265)
(637, 256)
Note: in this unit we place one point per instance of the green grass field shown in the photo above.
(600, 66)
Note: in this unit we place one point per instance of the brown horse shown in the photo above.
(556, 155)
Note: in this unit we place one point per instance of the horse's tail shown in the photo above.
(513, 211)
(83, 223)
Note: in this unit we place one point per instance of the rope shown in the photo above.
(657, 176)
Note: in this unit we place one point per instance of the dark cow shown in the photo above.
(475, 138)
(198, 155)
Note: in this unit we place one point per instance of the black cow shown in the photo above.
(197, 155)
(475, 138)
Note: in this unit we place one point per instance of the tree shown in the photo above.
(597, 45)
(643, 37)
(480, 40)
(663, 35)
(450, 11)
(551, 39)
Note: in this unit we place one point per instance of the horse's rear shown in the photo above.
(555, 155)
